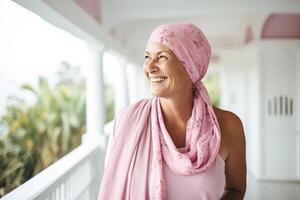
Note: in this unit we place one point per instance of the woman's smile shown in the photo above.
(158, 82)
(159, 79)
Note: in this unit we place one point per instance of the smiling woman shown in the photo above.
(176, 138)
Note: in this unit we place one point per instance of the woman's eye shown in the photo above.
(161, 56)
(147, 57)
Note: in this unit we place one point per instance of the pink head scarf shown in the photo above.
(141, 141)
(188, 43)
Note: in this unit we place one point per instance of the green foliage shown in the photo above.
(36, 134)
(212, 84)
(109, 103)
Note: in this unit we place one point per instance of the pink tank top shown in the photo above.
(208, 185)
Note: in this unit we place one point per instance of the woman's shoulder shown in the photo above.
(133, 111)
(137, 105)
(231, 127)
(228, 119)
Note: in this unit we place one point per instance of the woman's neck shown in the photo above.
(177, 110)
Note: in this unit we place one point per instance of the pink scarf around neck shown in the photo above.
(141, 141)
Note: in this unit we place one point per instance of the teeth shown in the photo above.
(158, 79)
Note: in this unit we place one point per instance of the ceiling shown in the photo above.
(227, 24)
(125, 25)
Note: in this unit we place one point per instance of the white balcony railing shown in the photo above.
(75, 176)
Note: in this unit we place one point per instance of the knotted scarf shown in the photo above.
(141, 142)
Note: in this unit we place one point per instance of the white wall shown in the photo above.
(275, 140)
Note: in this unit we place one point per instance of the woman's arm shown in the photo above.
(235, 164)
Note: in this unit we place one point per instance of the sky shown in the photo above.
(31, 47)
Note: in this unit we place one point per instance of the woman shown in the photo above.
(176, 145)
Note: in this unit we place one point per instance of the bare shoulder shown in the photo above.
(232, 129)
(229, 121)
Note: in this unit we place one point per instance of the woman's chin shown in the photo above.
(157, 93)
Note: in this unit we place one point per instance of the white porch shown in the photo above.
(259, 70)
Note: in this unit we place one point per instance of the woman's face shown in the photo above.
(165, 72)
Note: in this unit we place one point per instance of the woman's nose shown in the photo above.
(151, 66)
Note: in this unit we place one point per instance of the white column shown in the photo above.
(125, 83)
(95, 112)
(133, 83)
(143, 85)
(121, 86)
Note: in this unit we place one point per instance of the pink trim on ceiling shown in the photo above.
(92, 7)
(282, 26)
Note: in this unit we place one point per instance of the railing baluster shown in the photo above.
(72, 177)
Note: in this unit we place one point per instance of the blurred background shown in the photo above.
(66, 69)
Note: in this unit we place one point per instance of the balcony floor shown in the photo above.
(272, 190)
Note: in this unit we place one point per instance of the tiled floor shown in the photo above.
(272, 190)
